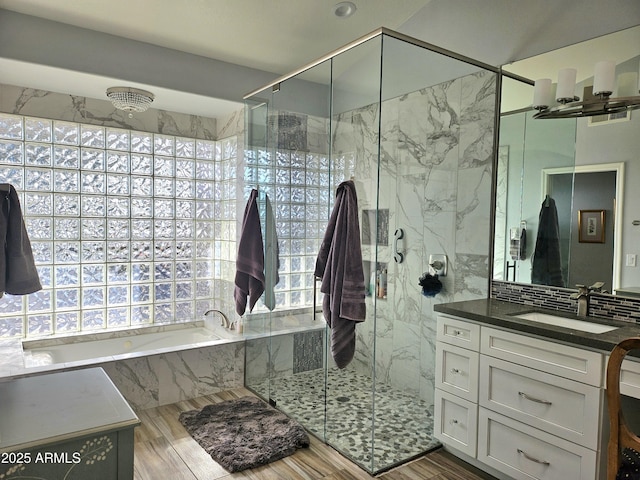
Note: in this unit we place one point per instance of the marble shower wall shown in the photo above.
(435, 179)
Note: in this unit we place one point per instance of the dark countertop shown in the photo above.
(501, 314)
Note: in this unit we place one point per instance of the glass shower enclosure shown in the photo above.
(413, 126)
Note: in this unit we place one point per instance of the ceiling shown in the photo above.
(202, 56)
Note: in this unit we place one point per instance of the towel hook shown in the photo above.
(397, 255)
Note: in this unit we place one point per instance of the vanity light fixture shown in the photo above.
(344, 9)
(599, 102)
(130, 99)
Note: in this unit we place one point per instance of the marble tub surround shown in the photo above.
(122, 333)
(151, 378)
(293, 343)
(94, 348)
(280, 323)
(12, 359)
(613, 307)
(167, 378)
(502, 314)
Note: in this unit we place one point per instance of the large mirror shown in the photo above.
(584, 172)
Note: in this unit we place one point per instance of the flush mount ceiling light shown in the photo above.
(597, 102)
(130, 99)
(344, 9)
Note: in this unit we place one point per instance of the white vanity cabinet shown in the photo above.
(456, 396)
(539, 405)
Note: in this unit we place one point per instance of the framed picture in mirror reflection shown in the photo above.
(591, 226)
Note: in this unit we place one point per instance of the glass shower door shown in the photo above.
(258, 326)
(292, 171)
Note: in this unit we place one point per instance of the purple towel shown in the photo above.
(339, 264)
(250, 261)
(18, 274)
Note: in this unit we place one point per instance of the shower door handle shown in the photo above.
(397, 256)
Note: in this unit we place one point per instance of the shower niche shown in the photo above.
(413, 126)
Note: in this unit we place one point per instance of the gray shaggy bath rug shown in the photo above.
(244, 433)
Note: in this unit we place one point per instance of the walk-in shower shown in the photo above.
(413, 126)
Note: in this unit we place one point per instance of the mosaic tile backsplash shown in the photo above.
(600, 305)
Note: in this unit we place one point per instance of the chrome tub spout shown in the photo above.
(225, 320)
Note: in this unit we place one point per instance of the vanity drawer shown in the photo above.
(556, 405)
(526, 453)
(563, 360)
(455, 422)
(458, 332)
(629, 377)
(457, 371)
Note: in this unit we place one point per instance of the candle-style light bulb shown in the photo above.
(566, 85)
(604, 78)
(542, 93)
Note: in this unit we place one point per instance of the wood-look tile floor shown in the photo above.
(165, 451)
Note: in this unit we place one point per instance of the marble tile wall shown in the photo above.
(435, 179)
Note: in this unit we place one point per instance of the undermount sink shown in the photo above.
(565, 322)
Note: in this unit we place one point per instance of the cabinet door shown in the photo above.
(455, 422)
(458, 332)
(552, 357)
(457, 371)
(556, 405)
(526, 453)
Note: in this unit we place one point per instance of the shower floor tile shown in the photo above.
(398, 429)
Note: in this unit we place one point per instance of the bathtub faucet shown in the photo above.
(225, 321)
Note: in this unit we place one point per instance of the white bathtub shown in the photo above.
(150, 366)
(100, 347)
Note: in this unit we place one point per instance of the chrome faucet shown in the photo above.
(583, 297)
(583, 300)
(225, 320)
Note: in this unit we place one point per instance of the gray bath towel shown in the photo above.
(547, 261)
(339, 264)
(18, 274)
(271, 256)
(250, 260)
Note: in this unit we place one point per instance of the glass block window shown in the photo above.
(120, 222)
(301, 188)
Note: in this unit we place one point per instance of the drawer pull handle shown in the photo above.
(457, 332)
(534, 399)
(533, 459)
(455, 370)
(453, 421)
